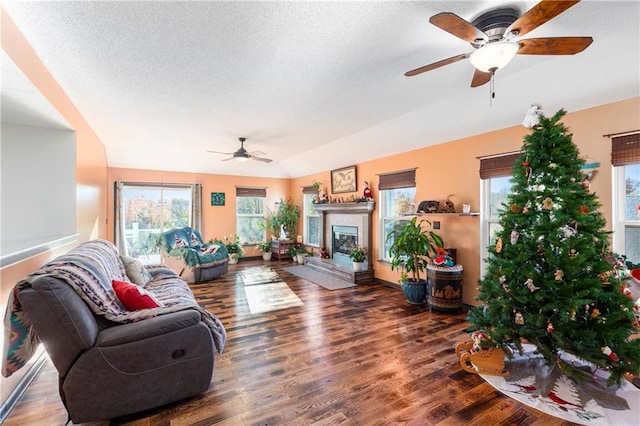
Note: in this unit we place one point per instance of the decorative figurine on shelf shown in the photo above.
(367, 192)
(322, 196)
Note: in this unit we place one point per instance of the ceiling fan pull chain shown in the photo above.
(492, 92)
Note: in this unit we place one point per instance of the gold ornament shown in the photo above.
(583, 210)
(559, 275)
(515, 208)
(499, 245)
(547, 203)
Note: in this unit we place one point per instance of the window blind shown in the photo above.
(401, 179)
(497, 166)
(250, 192)
(625, 149)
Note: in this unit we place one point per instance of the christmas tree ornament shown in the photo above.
(499, 245)
(519, 319)
(532, 118)
(549, 327)
(584, 210)
(573, 253)
(515, 209)
(547, 203)
(514, 237)
(626, 291)
(595, 312)
(530, 285)
(572, 315)
(525, 208)
(559, 275)
(503, 281)
(553, 166)
(608, 352)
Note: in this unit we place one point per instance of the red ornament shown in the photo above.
(549, 327)
(608, 352)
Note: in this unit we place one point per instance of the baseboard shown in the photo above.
(15, 396)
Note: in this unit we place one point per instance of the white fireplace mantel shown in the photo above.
(346, 214)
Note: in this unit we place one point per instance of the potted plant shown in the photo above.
(411, 250)
(265, 249)
(285, 220)
(232, 242)
(358, 255)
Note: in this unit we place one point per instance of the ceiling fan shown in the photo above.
(243, 155)
(495, 35)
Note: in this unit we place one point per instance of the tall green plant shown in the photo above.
(412, 248)
(287, 215)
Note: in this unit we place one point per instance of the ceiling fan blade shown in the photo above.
(228, 159)
(539, 14)
(480, 78)
(453, 24)
(264, 160)
(554, 45)
(223, 153)
(437, 65)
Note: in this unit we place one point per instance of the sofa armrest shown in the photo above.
(156, 326)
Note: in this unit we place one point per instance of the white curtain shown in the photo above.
(196, 206)
(117, 218)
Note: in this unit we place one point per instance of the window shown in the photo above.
(397, 200)
(495, 185)
(625, 157)
(250, 215)
(148, 209)
(311, 220)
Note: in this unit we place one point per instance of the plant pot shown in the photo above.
(359, 266)
(416, 293)
(233, 258)
(300, 258)
(266, 255)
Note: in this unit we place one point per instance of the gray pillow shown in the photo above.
(136, 271)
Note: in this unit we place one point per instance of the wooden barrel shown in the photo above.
(444, 287)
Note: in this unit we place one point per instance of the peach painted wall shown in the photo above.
(217, 221)
(91, 170)
(452, 168)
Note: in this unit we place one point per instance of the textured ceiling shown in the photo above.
(314, 85)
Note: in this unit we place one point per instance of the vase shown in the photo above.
(416, 293)
(266, 255)
(359, 266)
(233, 258)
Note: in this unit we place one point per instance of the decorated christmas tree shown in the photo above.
(550, 280)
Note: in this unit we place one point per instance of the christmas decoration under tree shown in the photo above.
(549, 282)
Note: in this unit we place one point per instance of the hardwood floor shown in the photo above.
(358, 356)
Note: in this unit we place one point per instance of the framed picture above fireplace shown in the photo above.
(343, 180)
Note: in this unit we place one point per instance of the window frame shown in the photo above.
(383, 255)
(259, 216)
(620, 222)
(308, 200)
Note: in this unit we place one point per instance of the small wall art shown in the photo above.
(343, 180)
(217, 198)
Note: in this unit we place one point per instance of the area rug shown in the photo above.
(544, 388)
(324, 280)
(259, 275)
(263, 298)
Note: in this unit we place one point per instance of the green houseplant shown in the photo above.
(285, 218)
(265, 249)
(411, 250)
(232, 242)
(358, 256)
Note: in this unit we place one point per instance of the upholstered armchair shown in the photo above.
(183, 250)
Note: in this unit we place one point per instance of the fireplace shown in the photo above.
(344, 238)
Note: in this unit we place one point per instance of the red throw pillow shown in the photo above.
(133, 297)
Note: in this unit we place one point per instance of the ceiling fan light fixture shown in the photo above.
(242, 159)
(494, 56)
